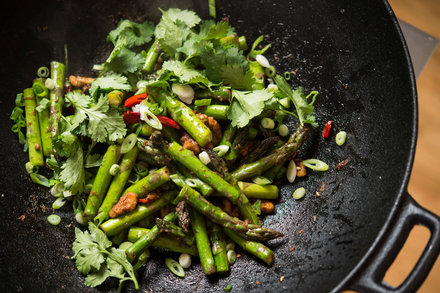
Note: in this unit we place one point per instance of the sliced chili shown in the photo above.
(327, 128)
(168, 122)
(131, 117)
(134, 100)
(144, 200)
(294, 155)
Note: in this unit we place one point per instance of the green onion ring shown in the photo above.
(299, 193)
(287, 75)
(58, 203)
(341, 136)
(43, 72)
(174, 267)
(128, 143)
(54, 219)
(152, 120)
(315, 164)
(270, 71)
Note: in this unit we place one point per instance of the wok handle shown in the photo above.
(411, 214)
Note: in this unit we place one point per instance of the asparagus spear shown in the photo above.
(43, 117)
(219, 112)
(149, 182)
(152, 56)
(227, 139)
(252, 190)
(138, 247)
(277, 157)
(167, 226)
(199, 229)
(117, 185)
(101, 182)
(56, 95)
(184, 115)
(32, 129)
(163, 241)
(190, 161)
(204, 188)
(214, 213)
(221, 94)
(154, 155)
(257, 249)
(262, 149)
(219, 249)
(114, 226)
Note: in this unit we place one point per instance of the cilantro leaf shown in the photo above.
(97, 278)
(72, 173)
(82, 241)
(175, 27)
(115, 268)
(103, 123)
(185, 72)
(110, 82)
(170, 35)
(135, 34)
(229, 66)
(88, 259)
(95, 256)
(303, 108)
(86, 252)
(213, 60)
(218, 30)
(93, 161)
(188, 17)
(237, 78)
(246, 105)
(98, 236)
(126, 61)
(193, 47)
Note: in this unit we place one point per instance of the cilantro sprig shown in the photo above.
(95, 257)
(103, 123)
(303, 108)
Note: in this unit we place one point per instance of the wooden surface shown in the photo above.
(424, 184)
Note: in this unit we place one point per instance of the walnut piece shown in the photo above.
(126, 204)
(190, 144)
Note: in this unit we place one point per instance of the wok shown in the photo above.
(352, 52)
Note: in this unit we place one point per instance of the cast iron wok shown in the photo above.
(352, 52)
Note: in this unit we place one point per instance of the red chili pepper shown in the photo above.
(168, 122)
(134, 100)
(326, 131)
(131, 117)
(294, 155)
(144, 200)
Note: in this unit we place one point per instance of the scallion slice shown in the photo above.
(315, 164)
(54, 219)
(43, 71)
(175, 267)
(150, 119)
(270, 71)
(128, 143)
(58, 203)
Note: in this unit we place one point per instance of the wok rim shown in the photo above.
(403, 191)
